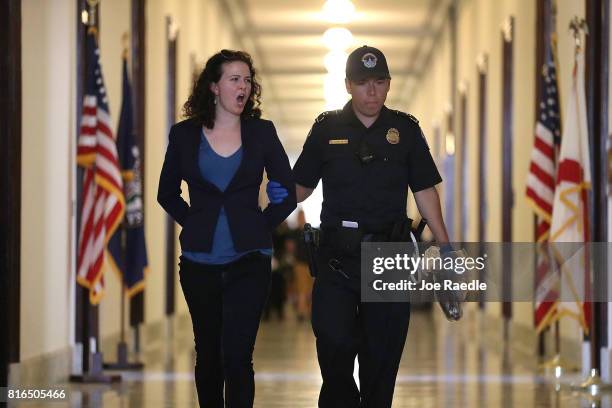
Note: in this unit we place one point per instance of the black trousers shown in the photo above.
(344, 328)
(225, 303)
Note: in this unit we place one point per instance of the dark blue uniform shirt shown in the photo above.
(373, 194)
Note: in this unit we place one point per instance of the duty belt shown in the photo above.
(343, 240)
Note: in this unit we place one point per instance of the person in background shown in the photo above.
(301, 272)
(278, 284)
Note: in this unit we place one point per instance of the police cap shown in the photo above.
(366, 62)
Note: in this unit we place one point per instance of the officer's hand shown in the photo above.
(276, 192)
(450, 301)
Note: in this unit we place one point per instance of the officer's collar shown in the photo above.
(348, 114)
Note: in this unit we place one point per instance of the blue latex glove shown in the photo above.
(446, 248)
(276, 192)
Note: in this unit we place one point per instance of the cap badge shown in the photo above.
(369, 60)
(393, 136)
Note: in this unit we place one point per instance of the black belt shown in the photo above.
(380, 232)
(363, 228)
(346, 240)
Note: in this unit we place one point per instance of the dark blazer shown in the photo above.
(251, 227)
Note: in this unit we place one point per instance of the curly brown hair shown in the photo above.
(200, 105)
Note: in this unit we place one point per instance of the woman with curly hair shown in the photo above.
(221, 151)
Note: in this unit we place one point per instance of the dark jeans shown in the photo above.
(225, 303)
(344, 328)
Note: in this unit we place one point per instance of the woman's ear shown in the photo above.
(214, 88)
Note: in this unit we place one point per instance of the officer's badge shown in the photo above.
(393, 136)
(369, 60)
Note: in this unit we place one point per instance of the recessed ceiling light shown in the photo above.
(334, 91)
(337, 38)
(339, 11)
(335, 62)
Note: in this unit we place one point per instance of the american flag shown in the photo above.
(103, 202)
(541, 186)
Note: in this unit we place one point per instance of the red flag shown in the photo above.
(570, 209)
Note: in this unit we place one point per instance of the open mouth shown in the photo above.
(241, 98)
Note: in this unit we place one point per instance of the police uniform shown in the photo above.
(366, 173)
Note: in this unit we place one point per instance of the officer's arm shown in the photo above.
(428, 203)
(302, 192)
(307, 169)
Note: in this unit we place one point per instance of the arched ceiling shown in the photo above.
(285, 38)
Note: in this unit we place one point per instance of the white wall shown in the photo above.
(48, 68)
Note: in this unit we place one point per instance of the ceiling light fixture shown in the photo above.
(335, 91)
(338, 38)
(335, 62)
(339, 11)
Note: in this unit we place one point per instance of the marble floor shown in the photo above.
(444, 365)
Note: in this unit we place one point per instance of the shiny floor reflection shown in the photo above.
(444, 365)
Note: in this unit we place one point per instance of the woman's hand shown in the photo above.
(276, 192)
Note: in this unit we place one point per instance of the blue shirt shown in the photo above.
(219, 170)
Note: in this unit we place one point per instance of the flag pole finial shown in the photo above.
(125, 42)
(90, 17)
(578, 26)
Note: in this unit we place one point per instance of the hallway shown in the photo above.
(444, 365)
(508, 100)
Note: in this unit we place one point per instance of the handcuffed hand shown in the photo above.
(276, 192)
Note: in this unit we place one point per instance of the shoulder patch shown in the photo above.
(416, 121)
(326, 114)
(407, 115)
(424, 138)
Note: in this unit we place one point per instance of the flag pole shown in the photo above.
(561, 365)
(556, 366)
(122, 348)
(92, 358)
(593, 384)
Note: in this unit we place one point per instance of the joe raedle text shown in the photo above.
(446, 284)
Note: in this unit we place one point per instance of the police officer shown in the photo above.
(367, 156)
